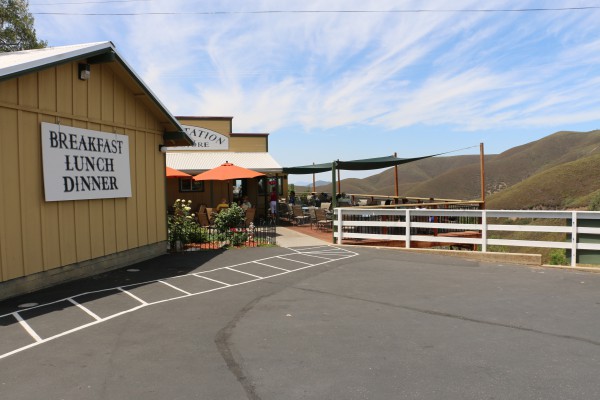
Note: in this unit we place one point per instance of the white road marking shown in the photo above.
(97, 319)
(133, 296)
(27, 328)
(296, 261)
(242, 272)
(174, 287)
(214, 280)
(271, 266)
(86, 310)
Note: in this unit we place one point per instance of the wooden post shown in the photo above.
(339, 183)
(333, 185)
(396, 181)
(482, 176)
(333, 197)
(314, 187)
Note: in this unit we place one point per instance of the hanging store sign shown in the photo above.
(204, 139)
(81, 164)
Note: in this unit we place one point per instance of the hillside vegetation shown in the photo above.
(559, 171)
(569, 185)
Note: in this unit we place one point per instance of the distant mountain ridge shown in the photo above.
(558, 171)
(308, 185)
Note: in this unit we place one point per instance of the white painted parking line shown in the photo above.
(242, 272)
(175, 287)
(27, 328)
(271, 266)
(291, 259)
(86, 310)
(185, 294)
(210, 279)
(133, 296)
(320, 256)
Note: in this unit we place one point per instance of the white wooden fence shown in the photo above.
(420, 225)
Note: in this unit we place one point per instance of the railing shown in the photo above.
(469, 227)
(388, 201)
(385, 201)
(211, 238)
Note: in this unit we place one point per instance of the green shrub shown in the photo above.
(595, 203)
(198, 235)
(228, 223)
(558, 257)
(180, 223)
(238, 238)
(228, 218)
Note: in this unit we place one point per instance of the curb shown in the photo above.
(534, 260)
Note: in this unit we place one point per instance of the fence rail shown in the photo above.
(469, 227)
(211, 238)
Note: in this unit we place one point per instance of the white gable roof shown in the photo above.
(194, 162)
(21, 62)
(16, 62)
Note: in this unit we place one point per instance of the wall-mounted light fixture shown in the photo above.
(84, 72)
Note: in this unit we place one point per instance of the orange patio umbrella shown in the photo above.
(175, 173)
(226, 172)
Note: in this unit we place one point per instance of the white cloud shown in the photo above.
(465, 71)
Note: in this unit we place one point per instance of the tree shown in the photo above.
(16, 27)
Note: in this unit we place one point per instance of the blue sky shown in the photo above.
(349, 85)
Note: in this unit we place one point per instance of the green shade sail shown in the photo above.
(354, 165)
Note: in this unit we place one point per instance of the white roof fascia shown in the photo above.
(195, 162)
(20, 62)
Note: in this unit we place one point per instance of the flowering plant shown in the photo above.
(230, 224)
(181, 223)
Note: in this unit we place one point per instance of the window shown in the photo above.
(190, 185)
(262, 185)
(267, 184)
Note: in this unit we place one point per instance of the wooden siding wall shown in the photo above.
(249, 144)
(38, 236)
(219, 190)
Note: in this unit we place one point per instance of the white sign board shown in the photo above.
(82, 164)
(204, 139)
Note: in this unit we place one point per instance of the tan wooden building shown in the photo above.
(214, 144)
(81, 167)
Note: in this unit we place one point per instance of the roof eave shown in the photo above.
(97, 51)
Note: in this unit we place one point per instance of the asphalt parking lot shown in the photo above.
(316, 322)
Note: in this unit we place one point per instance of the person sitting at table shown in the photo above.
(246, 203)
(222, 205)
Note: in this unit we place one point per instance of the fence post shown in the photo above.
(340, 228)
(574, 239)
(484, 231)
(407, 233)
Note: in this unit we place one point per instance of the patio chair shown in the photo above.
(323, 221)
(299, 215)
(203, 220)
(312, 216)
(210, 214)
(250, 213)
(286, 213)
(325, 206)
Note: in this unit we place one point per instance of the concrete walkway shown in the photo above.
(290, 238)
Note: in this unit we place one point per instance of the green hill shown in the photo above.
(567, 185)
(557, 171)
